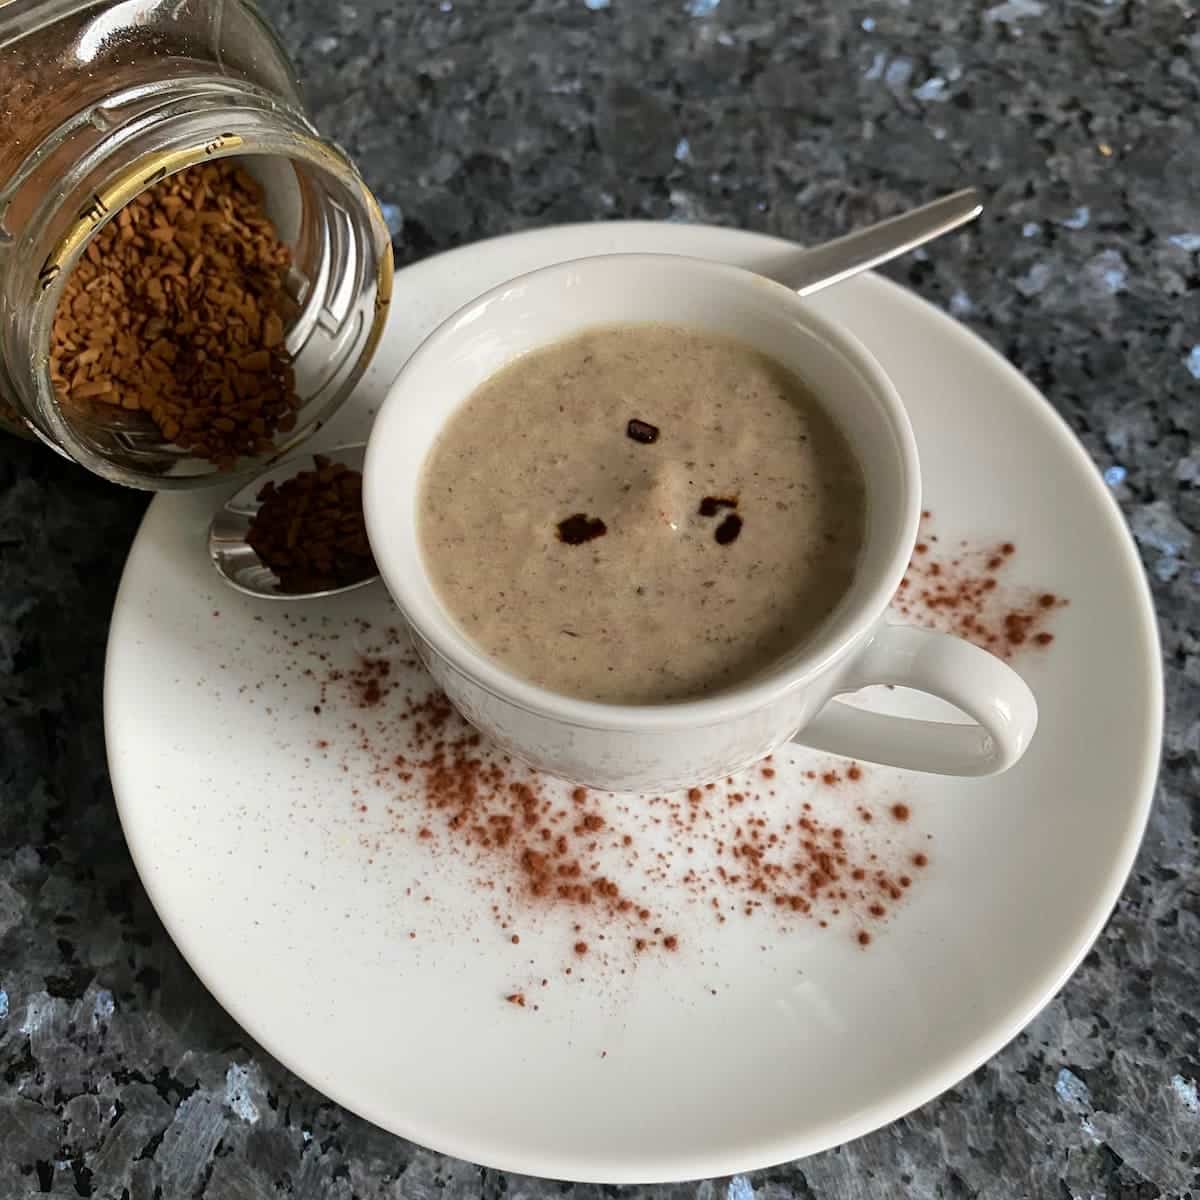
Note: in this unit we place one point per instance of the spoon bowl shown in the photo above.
(236, 560)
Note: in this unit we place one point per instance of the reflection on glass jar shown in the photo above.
(100, 103)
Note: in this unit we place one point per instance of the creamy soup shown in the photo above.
(640, 514)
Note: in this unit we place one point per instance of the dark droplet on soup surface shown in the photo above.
(728, 529)
(642, 431)
(711, 505)
(579, 528)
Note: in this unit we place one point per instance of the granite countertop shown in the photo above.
(123, 1078)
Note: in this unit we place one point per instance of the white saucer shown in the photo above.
(279, 868)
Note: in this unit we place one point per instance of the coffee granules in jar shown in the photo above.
(102, 101)
(177, 311)
(310, 530)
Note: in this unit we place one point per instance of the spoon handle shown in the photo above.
(834, 261)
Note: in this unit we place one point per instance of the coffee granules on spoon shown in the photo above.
(310, 529)
(176, 311)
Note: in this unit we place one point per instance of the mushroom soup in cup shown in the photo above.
(644, 514)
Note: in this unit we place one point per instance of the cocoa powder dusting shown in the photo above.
(621, 869)
(963, 592)
(476, 803)
(827, 846)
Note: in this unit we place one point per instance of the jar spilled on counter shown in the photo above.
(192, 279)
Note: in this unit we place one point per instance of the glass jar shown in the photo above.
(99, 102)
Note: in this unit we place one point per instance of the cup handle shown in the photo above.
(978, 683)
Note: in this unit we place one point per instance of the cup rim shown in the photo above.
(444, 638)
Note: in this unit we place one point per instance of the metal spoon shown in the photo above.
(831, 262)
(236, 562)
(808, 272)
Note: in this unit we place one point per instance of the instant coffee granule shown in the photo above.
(176, 311)
(310, 529)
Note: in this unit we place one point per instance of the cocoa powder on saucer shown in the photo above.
(964, 592)
(626, 881)
(609, 862)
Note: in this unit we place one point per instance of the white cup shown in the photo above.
(665, 746)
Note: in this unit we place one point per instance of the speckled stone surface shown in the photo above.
(122, 1077)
